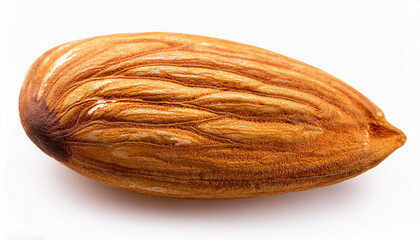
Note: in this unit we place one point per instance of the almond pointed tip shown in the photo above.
(390, 135)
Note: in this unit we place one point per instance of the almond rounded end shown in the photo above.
(43, 129)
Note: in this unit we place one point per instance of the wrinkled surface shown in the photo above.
(195, 117)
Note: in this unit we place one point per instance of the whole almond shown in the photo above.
(187, 116)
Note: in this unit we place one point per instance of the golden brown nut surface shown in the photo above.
(195, 117)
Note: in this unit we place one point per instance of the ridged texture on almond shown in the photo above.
(195, 117)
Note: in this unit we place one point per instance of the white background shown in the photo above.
(372, 45)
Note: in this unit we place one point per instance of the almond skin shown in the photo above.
(194, 117)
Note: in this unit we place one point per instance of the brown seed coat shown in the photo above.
(195, 117)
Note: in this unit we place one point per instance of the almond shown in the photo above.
(188, 116)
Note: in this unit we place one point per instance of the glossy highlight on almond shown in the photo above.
(195, 117)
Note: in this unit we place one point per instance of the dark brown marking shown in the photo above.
(43, 129)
